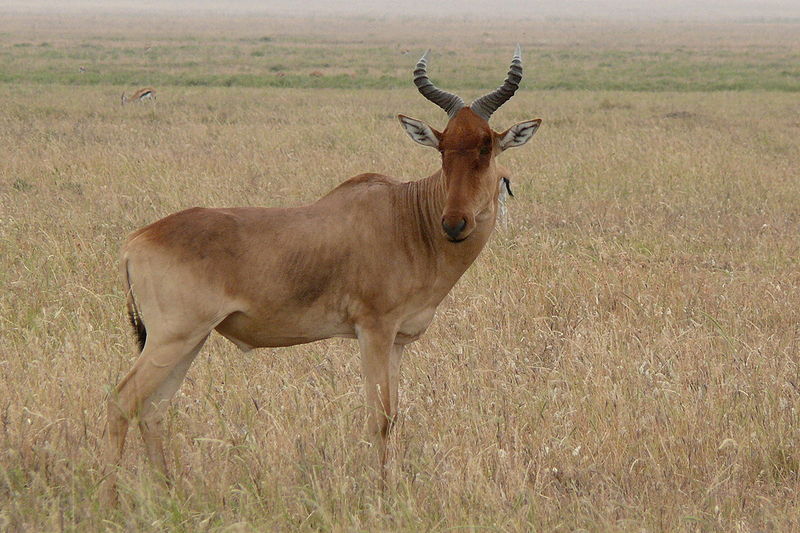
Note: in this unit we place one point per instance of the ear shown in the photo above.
(519, 133)
(420, 132)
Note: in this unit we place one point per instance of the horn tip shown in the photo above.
(518, 51)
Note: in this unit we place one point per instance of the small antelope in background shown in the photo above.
(371, 260)
(148, 93)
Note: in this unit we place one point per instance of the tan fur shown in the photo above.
(146, 93)
(369, 260)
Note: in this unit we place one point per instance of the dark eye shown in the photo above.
(486, 149)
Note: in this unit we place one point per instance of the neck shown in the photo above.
(423, 201)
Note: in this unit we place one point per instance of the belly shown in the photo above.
(248, 332)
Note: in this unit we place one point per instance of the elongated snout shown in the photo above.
(456, 226)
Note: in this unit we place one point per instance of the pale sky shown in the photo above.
(769, 10)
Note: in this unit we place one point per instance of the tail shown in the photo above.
(507, 184)
(133, 312)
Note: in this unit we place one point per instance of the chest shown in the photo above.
(415, 325)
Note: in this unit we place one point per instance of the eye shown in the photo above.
(485, 150)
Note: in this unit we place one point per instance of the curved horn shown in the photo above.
(486, 105)
(447, 101)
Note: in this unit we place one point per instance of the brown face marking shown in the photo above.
(467, 148)
(466, 131)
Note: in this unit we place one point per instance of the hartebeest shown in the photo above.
(148, 93)
(371, 260)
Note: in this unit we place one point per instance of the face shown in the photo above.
(468, 147)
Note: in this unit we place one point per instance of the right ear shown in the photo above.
(519, 134)
(420, 132)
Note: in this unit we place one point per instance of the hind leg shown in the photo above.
(153, 409)
(145, 391)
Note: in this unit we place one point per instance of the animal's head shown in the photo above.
(468, 147)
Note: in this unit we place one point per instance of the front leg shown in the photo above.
(394, 382)
(380, 364)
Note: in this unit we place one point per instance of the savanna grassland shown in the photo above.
(623, 357)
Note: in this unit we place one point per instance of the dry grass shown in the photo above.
(624, 357)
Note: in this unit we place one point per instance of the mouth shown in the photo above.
(458, 240)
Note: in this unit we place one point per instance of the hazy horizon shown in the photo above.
(569, 9)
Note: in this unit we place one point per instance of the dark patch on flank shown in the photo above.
(310, 274)
(198, 233)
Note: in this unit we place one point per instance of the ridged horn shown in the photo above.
(447, 101)
(486, 105)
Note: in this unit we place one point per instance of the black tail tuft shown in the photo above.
(138, 328)
(507, 184)
(133, 311)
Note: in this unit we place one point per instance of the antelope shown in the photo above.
(371, 261)
(147, 93)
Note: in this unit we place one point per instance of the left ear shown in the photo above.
(519, 133)
(420, 132)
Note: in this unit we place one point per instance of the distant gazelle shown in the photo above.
(371, 260)
(148, 93)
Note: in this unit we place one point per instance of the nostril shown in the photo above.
(454, 230)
